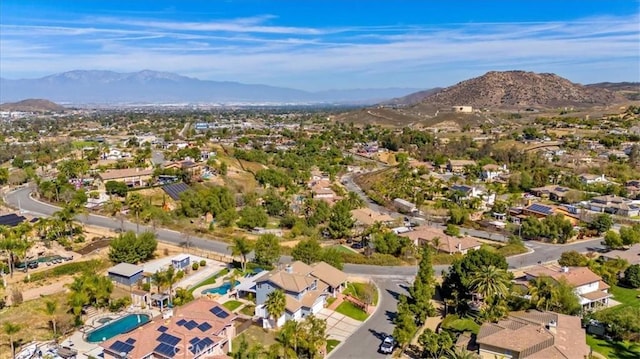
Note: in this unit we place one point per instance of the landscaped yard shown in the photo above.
(614, 350)
(455, 323)
(628, 297)
(210, 280)
(232, 305)
(331, 344)
(351, 311)
(343, 249)
(360, 291)
(248, 310)
(255, 334)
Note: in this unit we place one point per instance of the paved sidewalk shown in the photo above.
(339, 326)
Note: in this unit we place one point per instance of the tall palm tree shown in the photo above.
(275, 305)
(542, 292)
(136, 205)
(490, 281)
(289, 338)
(316, 334)
(10, 329)
(241, 247)
(170, 278)
(461, 353)
(51, 309)
(158, 279)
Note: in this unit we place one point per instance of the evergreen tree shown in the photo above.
(405, 325)
(423, 287)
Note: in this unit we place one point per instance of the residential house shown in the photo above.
(444, 243)
(633, 188)
(201, 329)
(405, 206)
(631, 255)
(125, 273)
(193, 169)
(553, 192)
(133, 177)
(588, 286)
(491, 172)
(458, 166)
(321, 189)
(614, 205)
(469, 192)
(306, 289)
(588, 178)
(533, 335)
(366, 217)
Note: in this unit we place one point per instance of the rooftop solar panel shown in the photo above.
(204, 326)
(174, 189)
(181, 322)
(166, 350)
(194, 340)
(219, 312)
(120, 347)
(11, 220)
(130, 341)
(168, 339)
(162, 328)
(190, 324)
(205, 343)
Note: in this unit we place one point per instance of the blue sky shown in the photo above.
(330, 44)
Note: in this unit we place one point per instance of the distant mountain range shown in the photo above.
(152, 87)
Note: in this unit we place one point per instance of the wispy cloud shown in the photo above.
(256, 49)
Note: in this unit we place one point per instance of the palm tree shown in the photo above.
(316, 334)
(490, 281)
(136, 205)
(461, 353)
(542, 291)
(51, 309)
(170, 278)
(241, 247)
(158, 279)
(289, 337)
(11, 329)
(275, 305)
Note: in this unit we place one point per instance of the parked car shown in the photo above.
(387, 345)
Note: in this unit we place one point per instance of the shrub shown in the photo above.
(67, 269)
(203, 263)
(195, 266)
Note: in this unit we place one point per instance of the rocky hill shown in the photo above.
(630, 90)
(520, 89)
(32, 105)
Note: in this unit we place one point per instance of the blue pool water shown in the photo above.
(223, 289)
(116, 327)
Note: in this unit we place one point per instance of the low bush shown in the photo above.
(195, 266)
(203, 263)
(93, 265)
(375, 259)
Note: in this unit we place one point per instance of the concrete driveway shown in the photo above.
(339, 326)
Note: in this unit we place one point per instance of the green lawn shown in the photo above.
(359, 290)
(455, 323)
(341, 248)
(209, 280)
(331, 344)
(351, 311)
(330, 301)
(614, 350)
(248, 310)
(232, 305)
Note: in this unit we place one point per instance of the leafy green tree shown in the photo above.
(241, 247)
(51, 310)
(423, 287)
(458, 215)
(117, 188)
(333, 257)
(227, 218)
(131, 248)
(136, 204)
(275, 305)
(340, 222)
(308, 251)
(613, 240)
(405, 324)
(452, 230)
(630, 235)
(573, 259)
(632, 276)
(267, 250)
(4, 175)
(252, 217)
(565, 300)
(274, 204)
(601, 223)
(542, 292)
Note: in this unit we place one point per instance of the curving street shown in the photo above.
(391, 281)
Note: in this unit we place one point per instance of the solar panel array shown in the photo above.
(181, 322)
(168, 339)
(166, 350)
(130, 341)
(200, 345)
(174, 189)
(162, 328)
(540, 209)
(194, 340)
(219, 312)
(11, 220)
(121, 347)
(190, 324)
(204, 326)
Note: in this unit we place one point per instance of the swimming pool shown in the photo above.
(223, 289)
(116, 327)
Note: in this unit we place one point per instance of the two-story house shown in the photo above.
(533, 335)
(615, 205)
(306, 288)
(588, 178)
(592, 292)
(458, 166)
(492, 171)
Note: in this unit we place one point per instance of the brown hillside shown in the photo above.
(630, 90)
(520, 89)
(32, 105)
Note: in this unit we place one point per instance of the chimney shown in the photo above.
(552, 326)
(288, 268)
(564, 269)
(459, 247)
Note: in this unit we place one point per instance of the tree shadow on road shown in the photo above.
(394, 294)
(377, 334)
(391, 316)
